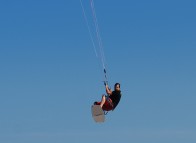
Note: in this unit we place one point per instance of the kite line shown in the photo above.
(98, 37)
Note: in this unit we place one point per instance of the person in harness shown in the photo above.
(111, 101)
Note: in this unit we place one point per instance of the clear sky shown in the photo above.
(50, 76)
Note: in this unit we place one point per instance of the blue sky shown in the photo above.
(50, 76)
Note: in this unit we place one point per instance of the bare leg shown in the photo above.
(102, 100)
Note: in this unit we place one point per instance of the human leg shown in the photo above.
(103, 100)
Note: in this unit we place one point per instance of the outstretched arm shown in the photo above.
(108, 91)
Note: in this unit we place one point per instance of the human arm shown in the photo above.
(108, 91)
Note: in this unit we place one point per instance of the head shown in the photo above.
(117, 87)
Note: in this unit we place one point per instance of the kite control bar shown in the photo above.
(105, 83)
(106, 79)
